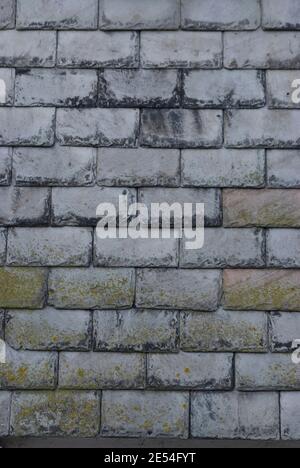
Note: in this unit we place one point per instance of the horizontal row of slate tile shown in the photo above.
(121, 49)
(150, 88)
(159, 128)
(161, 14)
(143, 167)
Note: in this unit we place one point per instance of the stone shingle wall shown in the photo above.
(163, 100)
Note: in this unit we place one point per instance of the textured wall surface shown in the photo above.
(165, 100)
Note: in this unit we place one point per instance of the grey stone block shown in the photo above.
(27, 48)
(181, 49)
(7, 14)
(5, 402)
(280, 89)
(213, 15)
(266, 372)
(224, 331)
(139, 88)
(226, 248)
(210, 197)
(178, 289)
(3, 236)
(24, 206)
(5, 166)
(28, 370)
(262, 50)
(7, 76)
(93, 371)
(23, 288)
(136, 330)
(130, 252)
(235, 416)
(281, 14)
(181, 128)
(94, 288)
(54, 14)
(190, 371)
(60, 88)
(262, 128)
(145, 414)
(139, 167)
(97, 49)
(284, 329)
(49, 330)
(290, 416)
(78, 207)
(215, 89)
(283, 168)
(223, 168)
(134, 14)
(97, 127)
(27, 127)
(283, 248)
(56, 166)
(65, 246)
(75, 414)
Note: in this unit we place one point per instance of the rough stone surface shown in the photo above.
(94, 288)
(138, 167)
(65, 88)
(94, 49)
(61, 413)
(178, 289)
(262, 290)
(279, 14)
(181, 128)
(266, 372)
(264, 208)
(27, 127)
(22, 288)
(57, 166)
(134, 14)
(223, 168)
(226, 89)
(24, 370)
(5, 166)
(212, 15)
(49, 247)
(7, 14)
(224, 331)
(145, 414)
(190, 371)
(136, 330)
(283, 248)
(54, 14)
(283, 168)
(182, 49)
(235, 416)
(280, 89)
(226, 248)
(139, 88)
(97, 127)
(285, 328)
(262, 128)
(48, 330)
(24, 206)
(261, 50)
(111, 370)
(211, 199)
(162, 102)
(73, 207)
(290, 414)
(27, 49)
(7, 76)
